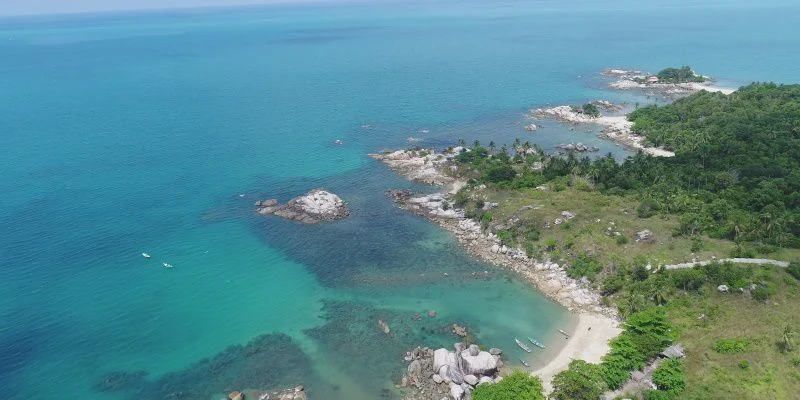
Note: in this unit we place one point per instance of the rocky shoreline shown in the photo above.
(615, 128)
(548, 277)
(316, 206)
(649, 85)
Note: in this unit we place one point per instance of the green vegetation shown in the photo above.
(679, 75)
(516, 386)
(733, 189)
(581, 381)
(727, 346)
(669, 377)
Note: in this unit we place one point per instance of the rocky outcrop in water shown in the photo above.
(422, 166)
(649, 84)
(577, 147)
(315, 206)
(433, 375)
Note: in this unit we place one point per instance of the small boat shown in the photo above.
(145, 255)
(167, 265)
(536, 343)
(525, 363)
(564, 333)
(522, 345)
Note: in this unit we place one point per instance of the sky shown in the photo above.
(41, 7)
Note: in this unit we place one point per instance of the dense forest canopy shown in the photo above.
(679, 75)
(738, 160)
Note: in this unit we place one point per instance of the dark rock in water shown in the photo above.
(267, 203)
(121, 381)
(459, 331)
(268, 361)
(399, 195)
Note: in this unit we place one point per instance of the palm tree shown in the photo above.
(476, 143)
(492, 146)
(593, 174)
(462, 142)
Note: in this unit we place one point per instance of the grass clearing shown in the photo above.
(759, 371)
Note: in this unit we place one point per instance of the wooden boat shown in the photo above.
(525, 363)
(536, 343)
(564, 333)
(522, 345)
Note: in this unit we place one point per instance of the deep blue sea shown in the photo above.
(156, 131)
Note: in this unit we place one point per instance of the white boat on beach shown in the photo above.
(525, 363)
(566, 335)
(145, 255)
(536, 342)
(522, 345)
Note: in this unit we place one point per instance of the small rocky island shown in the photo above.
(316, 206)
(449, 374)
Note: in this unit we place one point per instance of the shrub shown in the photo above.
(744, 364)
(656, 395)
(764, 292)
(506, 237)
(585, 265)
(647, 208)
(622, 240)
(582, 381)
(794, 270)
(550, 243)
(697, 244)
(516, 386)
(728, 346)
(689, 279)
(499, 172)
(669, 376)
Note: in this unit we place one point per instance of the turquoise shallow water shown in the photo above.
(124, 133)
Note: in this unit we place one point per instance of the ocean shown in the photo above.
(124, 133)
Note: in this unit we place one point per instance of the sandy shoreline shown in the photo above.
(548, 278)
(584, 343)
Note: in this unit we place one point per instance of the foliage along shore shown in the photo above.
(732, 189)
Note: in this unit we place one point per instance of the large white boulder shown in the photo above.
(441, 357)
(456, 392)
(481, 364)
(471, 379)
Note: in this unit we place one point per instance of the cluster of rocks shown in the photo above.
(577, 147)
(315, 206)
(434, 204)
(650, 84)
(645, 235)
(531, 127)
(296, 393)
(424, 166)
(562, 113)
(443, 374)
(550, 278)
(565, 216)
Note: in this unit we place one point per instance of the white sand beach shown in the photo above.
(588, 342)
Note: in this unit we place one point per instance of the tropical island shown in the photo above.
(695, 255)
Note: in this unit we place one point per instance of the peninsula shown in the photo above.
(644, 241)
